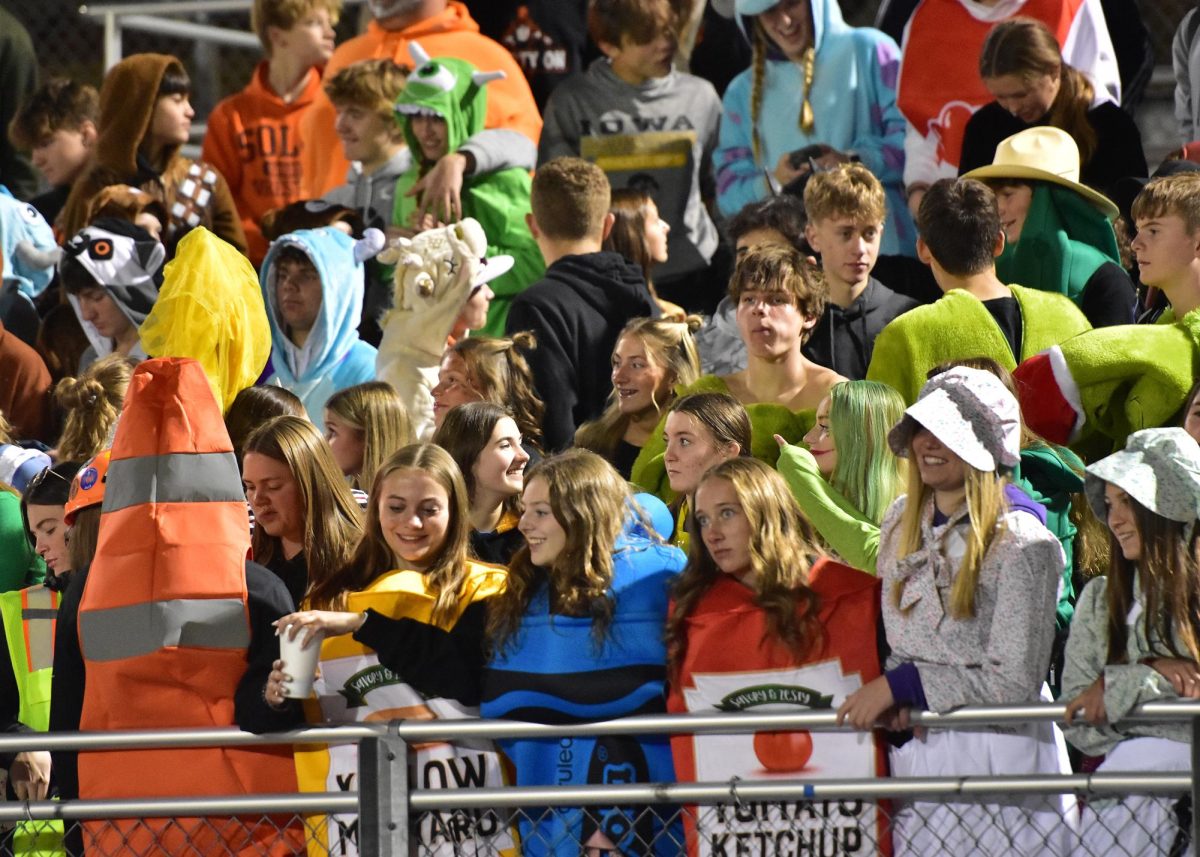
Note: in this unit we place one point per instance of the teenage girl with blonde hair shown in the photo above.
(793, 110)
(92, 401)
(411, 568)
(760, 606)
(483, 369)
(364, 425)
(969, 591)
(651, 358)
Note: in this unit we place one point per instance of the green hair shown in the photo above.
(867, 473)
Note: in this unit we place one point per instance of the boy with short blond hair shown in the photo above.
(582, 303)
(846, 209)
(57, 124)
(372, 140)
(1167, 245)
(253, 137)
(648, 126)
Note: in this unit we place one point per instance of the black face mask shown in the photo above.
(56, 582)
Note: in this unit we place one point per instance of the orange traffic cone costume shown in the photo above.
(164, 626)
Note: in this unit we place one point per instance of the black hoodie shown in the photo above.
(844, 339)
(576, 312)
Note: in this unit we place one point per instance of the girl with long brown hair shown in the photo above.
(410, 568)
(306, 522)
(760, 611)
(483, 439)
(577, 635)
(1136, 636)
(1023, 68)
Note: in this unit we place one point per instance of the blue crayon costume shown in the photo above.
(552, 672)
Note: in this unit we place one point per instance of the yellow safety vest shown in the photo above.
(29, 616)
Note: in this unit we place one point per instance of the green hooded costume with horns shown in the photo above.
(454, 90)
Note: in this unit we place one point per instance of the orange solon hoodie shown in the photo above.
(192, 193)
(452, 32)
(253, 138)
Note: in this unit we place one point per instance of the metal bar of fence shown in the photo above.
(174, 7)
(600, 795)
(1195, 782)
(191, 30)
(74, 810)
(414, 731)
(790, 790)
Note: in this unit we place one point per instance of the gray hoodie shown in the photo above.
(658, 137)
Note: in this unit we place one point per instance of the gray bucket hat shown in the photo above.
(971, 412)
(1160, 468)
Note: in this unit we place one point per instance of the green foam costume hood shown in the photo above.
(1064, 239)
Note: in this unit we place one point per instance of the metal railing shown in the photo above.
(386, 801)
(162, 19)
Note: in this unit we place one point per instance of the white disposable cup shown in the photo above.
(300, 663)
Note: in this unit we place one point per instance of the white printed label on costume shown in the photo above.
(359, 689)
(783, 827)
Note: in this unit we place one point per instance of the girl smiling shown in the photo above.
(650, 359)
(484, 441)
(969, 589)
(410, 567)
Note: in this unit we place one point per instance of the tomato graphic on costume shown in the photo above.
(728, 666)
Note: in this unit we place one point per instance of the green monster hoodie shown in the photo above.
(453, 89)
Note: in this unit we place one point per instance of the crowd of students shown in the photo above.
(821, 393)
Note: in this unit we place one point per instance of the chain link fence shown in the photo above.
(1134, 813)
(994, 826)
(989, 826)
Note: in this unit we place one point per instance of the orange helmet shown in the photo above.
(87, 488)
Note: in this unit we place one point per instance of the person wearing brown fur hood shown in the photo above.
(145, 117)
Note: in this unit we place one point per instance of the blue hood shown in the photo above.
(336, 330)
(826, 18)
(27, 246)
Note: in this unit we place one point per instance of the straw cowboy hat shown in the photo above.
(1043, 154)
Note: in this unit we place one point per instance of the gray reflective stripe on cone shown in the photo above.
(142, 629)
(204, 477)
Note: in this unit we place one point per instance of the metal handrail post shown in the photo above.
(383, 795)
(1195, 783)
(112, 41)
